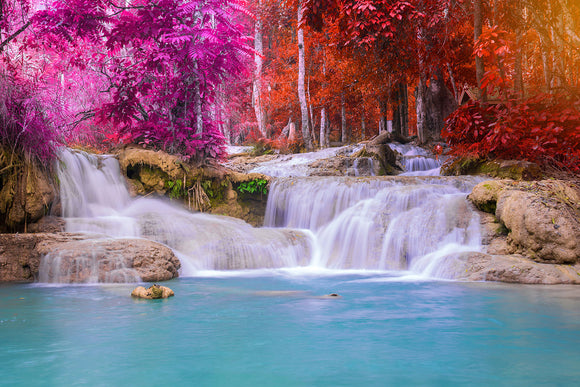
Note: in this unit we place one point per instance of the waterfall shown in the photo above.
(376, 223)
(380, 223)
(95, 199)
(417, 161)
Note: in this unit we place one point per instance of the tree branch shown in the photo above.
(14, 35)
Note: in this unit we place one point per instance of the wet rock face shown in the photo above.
(27, 194)
(541, 219)
(80, 258)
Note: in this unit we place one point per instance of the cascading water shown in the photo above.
(417, 161)
(376, 223)
(96, 200)
(379, 223)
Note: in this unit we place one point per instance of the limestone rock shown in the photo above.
(153, 292)
(78, 258)
(26, 195)
(48, 224)
(512, 269)
(19, 261)
(541, 219)
(136, 157)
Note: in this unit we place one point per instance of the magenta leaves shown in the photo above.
(166, 62)
(24, 128)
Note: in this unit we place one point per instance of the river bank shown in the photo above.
(522, 232)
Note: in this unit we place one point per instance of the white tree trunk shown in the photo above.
(301, 89)
(323, 137)
(344, 134)
(197, 105)
(257, 86)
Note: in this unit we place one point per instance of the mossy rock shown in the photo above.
(502, 169)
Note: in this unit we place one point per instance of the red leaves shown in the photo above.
(544, 129)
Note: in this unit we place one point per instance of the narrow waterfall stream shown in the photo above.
(363, 223)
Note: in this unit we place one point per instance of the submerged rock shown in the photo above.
(154, 292)
(82, 258)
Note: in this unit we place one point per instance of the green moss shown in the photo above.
(156, 292)
(502, 230)
(176, 189)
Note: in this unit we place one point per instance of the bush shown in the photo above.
(544, 129)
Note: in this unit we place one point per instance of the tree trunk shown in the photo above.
(344, 133)
(383, 107)
(197, 105)
(257, 86)
(323, 143)
(401, 111)
(544, 47)
(301, 91)
(434, 103)
(363, 128)
(477, 31)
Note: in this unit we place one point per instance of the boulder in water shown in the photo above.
(82, 258)
(154, 292)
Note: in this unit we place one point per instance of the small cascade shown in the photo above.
(91, 185)
(416, 223)
(298, 164)
(70, 266)
(416, 160)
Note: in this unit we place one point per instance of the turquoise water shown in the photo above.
(229, 331)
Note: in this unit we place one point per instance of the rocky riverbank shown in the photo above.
(531, 233)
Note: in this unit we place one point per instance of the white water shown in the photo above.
(366, 223)
(95, 200)
(417, 161)
(298, 164)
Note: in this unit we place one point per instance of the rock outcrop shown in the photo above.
(212, 189)
(509, 268)
(154, 292)
(79, 258)
(541, 219)
(27, 193)
(531, 232)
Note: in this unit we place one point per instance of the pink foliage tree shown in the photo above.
(166, 62)
(151, 72)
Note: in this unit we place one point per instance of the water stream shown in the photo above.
(248, 309)
(339, 223)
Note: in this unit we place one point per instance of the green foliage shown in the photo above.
(207, 187)
(254, 186)
(175, 188)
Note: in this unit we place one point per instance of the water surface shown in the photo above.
(229, 330)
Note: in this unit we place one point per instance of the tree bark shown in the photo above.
(344, 133)
(477, 31)
(401, 111)
(197, 104)
(257, 84)
(323, 143)
(434, 103)
(301, 90)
